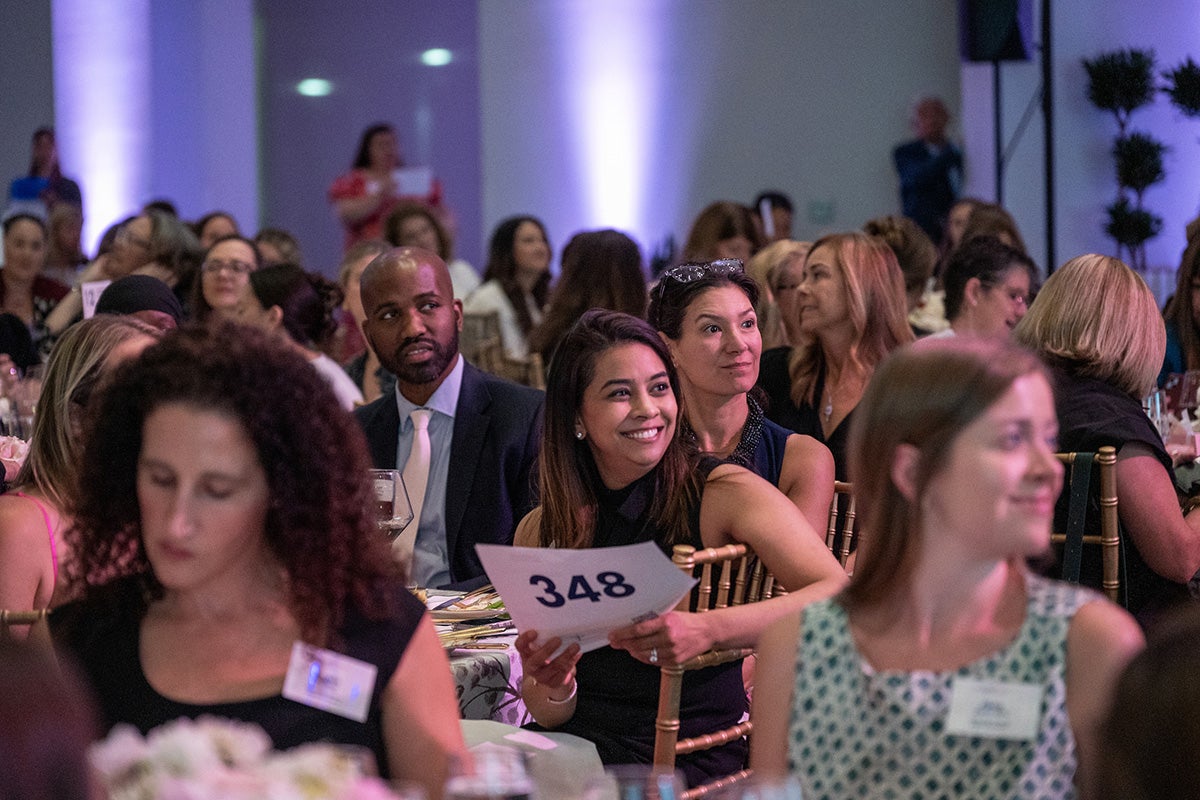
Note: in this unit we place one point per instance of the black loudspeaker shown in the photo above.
(995, 30)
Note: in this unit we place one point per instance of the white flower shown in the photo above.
(219, 759)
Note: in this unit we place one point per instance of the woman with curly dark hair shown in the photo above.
(230, 564)
(516, 283)
(297, 308)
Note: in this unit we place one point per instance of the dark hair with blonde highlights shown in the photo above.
(924, 396)
(875, 301)
(568, 474)
(319, 523)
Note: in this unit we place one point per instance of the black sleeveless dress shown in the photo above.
(618, 695)
(102, 634)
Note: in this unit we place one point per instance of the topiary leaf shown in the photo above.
(1139, 158)
(1121, 81)
(1184, 87)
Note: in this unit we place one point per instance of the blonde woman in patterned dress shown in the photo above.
(946, 669)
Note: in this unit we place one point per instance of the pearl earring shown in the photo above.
(579, 435)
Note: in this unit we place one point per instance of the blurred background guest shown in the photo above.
(1096, 323)
(278, 246)
(602, 486)
(152, 243)
(296, 308)
(722, 230)
(600, 269)
(516, 283)
(45, 186)
(213, 226)
(776, 269)
(35, 512)
(705, 314)
(224, 273)
(930, 168)
(852, 313)
(363, 197)
(415, 225)
(224, 518)
(1183, 311)
(24, 291)
(778, 207)
(65, 258)
(49, 722)
(989, 219)
(144, 298)
(917, 256)
(1151, 733)
(351, 348)
(953, 462)
(988, 286)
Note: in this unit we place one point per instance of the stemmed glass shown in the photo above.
(393, 510)
(636, 782)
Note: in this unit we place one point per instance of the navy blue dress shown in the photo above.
(618, 695)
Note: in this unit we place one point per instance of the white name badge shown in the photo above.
(330, 681)
(994, 709)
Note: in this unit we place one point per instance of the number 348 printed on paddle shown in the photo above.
(611, 584)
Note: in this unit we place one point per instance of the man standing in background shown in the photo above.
(930, 168)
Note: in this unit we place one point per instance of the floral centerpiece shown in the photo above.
(210, 758)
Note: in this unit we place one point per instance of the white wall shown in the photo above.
(1084, 135)
(728, 98)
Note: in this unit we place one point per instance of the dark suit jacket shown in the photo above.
(490, 485)
(926, 190)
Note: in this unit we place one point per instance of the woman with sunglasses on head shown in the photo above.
(852, 308)
(705, 314)
(615, 472)
(946, 669)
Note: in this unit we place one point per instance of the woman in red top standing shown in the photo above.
(365, 195)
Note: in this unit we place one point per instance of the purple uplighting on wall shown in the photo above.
(102, 102)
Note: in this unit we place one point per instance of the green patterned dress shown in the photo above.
(860, 733)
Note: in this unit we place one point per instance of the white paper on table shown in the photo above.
(91, 292)
(413, 181)
(581, 595)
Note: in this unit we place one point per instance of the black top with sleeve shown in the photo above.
(1091, 413)
(776, 382)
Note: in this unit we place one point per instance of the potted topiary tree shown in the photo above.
(1122, 82)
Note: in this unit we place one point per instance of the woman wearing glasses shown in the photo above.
(153, 243)
(852, 310)
(614, 472)
(705, 314)
(987, 285)
(223, 275)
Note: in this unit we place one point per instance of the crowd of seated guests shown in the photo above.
(716, 405)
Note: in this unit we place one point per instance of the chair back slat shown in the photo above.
(1080, 490)
(840, 536)
(728, 576)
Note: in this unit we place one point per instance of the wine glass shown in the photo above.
(774, 788)
(490, 772)
(393, 510)
(636, 782)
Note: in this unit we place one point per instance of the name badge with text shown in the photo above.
(330, 681)
(994, 709)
